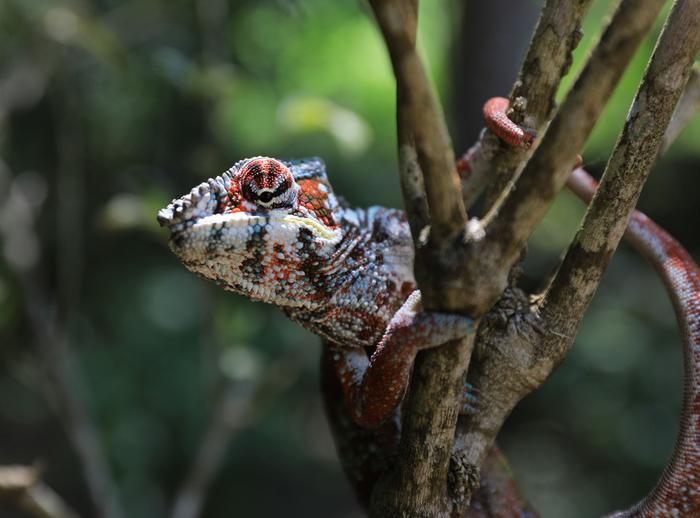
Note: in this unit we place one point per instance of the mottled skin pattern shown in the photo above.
(496, 119)
(677, 493)
(275, 232)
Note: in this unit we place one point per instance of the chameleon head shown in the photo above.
(264, 228)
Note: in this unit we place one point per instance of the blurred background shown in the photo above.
(139, 390)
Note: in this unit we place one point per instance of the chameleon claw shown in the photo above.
(471, 393)
(468, 409)
(470, 400)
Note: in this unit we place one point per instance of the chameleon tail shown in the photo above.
(677, 493)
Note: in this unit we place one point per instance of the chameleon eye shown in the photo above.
(265, 197)
(268, 183)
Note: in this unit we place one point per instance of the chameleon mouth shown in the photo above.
(276, 219)
(207, 199)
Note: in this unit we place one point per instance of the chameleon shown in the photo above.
(274, 231)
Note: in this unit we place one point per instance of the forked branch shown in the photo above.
(547, 61)
(421, 116)
(511, 222)
(418, 484)
(510, 362)
(574, 284)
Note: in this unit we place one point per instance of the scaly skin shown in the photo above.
(677, 493)
(275, 232)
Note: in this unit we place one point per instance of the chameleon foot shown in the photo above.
(470, 402)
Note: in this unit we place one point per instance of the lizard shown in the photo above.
(274, 231)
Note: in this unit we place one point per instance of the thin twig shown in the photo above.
(571, 289)
(510, 223)
(547, 61)
(23, 486)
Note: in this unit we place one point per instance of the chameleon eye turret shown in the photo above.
(268, 183)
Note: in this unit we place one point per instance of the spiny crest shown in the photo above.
(264, 228)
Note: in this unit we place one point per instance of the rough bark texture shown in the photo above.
(466, 268)
(418, 484)
(548, 60)
(573, 286)
(511, 223)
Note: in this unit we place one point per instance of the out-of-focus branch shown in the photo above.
(54, 340)
(22, 486)
(237, 407)
(50, 316)
(548, 59)
(687, 108)
(510, 223)
(63, 391)
(571, 289)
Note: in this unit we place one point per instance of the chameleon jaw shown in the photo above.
(202, 201)
(318, 229)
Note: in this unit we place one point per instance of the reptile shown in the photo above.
(274, 231)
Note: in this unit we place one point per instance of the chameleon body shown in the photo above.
(274, 231)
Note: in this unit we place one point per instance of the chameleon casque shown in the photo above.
(274, 231)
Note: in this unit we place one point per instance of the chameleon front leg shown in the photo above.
(374, 386)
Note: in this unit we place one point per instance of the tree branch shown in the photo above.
(418, 484)
(22, 485)
(548, 59)
(420, 117)
(524, 344)
(510, 222)
(573, 286)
